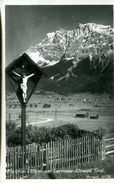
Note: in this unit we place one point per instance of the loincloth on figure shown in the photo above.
(24, 88)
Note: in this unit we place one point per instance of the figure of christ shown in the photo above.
(23, 85)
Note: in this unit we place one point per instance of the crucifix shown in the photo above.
(24, 75)
(23, 85)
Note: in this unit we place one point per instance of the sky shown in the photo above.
(27, 25)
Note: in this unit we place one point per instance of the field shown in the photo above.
(51, 109)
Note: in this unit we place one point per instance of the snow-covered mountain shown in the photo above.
(77, 60)
(86, 40)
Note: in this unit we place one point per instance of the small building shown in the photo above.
(94, 116)
(82, 115)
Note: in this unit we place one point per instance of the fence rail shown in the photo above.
(53, 155)
(108, 144)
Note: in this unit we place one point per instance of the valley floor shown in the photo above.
(63, 109)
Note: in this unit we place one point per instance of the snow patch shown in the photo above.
(69, 58)
(50, 36)
(38, 59)
(36, 56)
(51, 63)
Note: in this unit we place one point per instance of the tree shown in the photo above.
(10, 127)
(31, 105)
(14, 138)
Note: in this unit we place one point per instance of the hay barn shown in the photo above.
(82, 115)
(94, 116)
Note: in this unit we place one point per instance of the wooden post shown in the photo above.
(103, 149)
(23, 125)
(23, 134)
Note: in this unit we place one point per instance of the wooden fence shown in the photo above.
(108, 145)
(54, 155)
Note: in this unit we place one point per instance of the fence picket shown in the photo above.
(65, 153)
(78, 149)
(79, 154)
(13, 157)
(47, 157)
(52, 157)
(18, 163)
(58, 155)
(30, 158)
(88, 147)
(38, 157)
(11, 165)
(76, 152)
(62, 153)
(42, 157)
(7, 163)
(68, 152)
(15, 163)
(83, 149)
(10, 176)
(17, 159)
(94, 150)
(51, 154)
(73, 152)
(92, 147)
(92, 144)
(36, 154)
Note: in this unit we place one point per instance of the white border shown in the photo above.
(59, 2)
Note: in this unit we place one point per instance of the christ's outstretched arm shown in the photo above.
(30, 75)
(16, 74)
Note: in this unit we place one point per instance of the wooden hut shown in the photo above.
(94, 116)
(82, 115)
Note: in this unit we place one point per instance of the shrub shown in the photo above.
(35, 105)
(31, 105)
(100, 132)
(14, 139)
(10, 127)
(46, 106)
(35, 134)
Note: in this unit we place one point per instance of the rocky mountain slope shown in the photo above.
(76, 60)
(86, 40)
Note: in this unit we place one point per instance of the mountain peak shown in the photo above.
(87, 40)
(104, 29)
